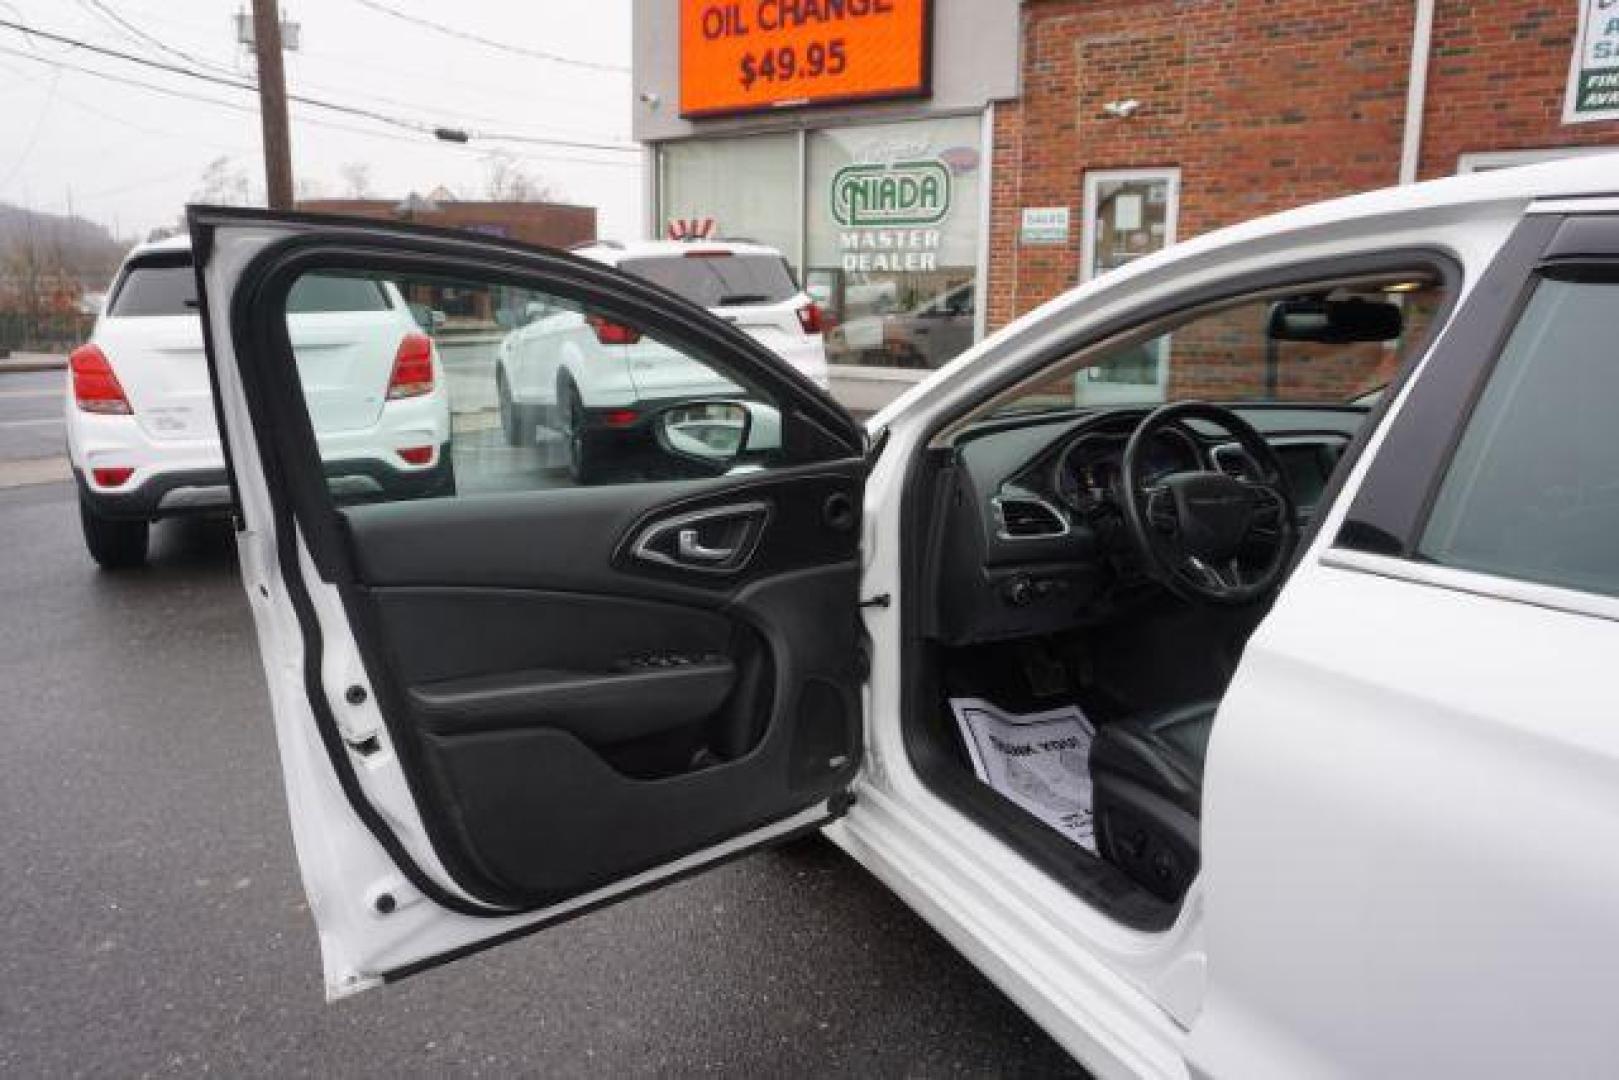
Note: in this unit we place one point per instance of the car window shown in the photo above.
(719, 278)
(1532, 491)
(503, 389)
(317, 293)
(156, 287)
(1321, 344)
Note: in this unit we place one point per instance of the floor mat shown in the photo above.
(1041, 761)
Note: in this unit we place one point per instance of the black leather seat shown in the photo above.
(1147, 776)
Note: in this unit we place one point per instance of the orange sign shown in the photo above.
(747, 55)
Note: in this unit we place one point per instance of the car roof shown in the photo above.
(180, 243)
(615, 253)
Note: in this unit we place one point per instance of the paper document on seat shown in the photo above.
(1041, 761)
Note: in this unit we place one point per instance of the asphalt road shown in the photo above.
(154, 924)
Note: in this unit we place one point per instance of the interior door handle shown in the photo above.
(734, 530)
(689, 546)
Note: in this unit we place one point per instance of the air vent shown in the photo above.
(1025, 519)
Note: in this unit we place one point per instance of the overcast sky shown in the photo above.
(131, 157)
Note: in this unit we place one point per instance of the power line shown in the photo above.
(236, 84)
(504, 46)
(327, 124)
(136, 34)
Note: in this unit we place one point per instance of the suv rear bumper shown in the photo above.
(207, 491)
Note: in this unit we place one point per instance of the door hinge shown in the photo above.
(881, 600)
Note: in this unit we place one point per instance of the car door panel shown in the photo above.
(550, 680)
(524, 706)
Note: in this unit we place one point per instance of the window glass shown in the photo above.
(747, 187)
(517, 390)
(1245, 352)
(1128, 215)
(157, 288)
(1533, 489)
(892, 226)
(719, 278)
(314, 293)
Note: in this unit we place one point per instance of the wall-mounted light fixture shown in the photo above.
(1123, 110)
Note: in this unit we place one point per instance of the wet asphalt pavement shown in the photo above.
(154, 924)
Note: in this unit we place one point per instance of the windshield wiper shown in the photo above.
(739, 299)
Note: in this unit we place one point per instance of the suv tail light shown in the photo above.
(111, 478)
(612, 333)
(812, 318)
(95, 387)
(413, 368)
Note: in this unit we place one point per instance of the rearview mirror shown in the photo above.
(1335, 322)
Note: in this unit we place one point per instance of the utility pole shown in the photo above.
(273, 104)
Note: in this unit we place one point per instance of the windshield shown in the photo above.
(719, 279)
(1326, 345)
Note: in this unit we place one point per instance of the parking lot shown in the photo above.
(155, 924)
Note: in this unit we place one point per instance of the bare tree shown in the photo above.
(224, 184)
(505, 180)
(356, 180)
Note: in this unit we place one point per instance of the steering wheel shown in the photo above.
(1207, 536)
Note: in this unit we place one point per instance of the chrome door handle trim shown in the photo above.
(690, 553)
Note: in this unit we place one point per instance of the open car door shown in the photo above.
(501, 697)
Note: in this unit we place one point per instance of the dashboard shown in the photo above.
(1086, 475)
(1032, 540)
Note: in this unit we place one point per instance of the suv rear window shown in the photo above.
(315, 293)
(156, 287)
(169, 287)
(719, 280)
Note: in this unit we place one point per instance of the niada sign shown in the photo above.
(1593, 76)
(905, 194)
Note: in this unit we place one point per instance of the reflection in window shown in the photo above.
(436, 387)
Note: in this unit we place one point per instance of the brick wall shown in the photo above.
(1496, 79)
(1261, 104)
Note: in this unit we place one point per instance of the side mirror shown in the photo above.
(1335, 322)
(717, 433)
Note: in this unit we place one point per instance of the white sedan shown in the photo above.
(1233, 725)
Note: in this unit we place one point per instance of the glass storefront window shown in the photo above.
(1128, 214)
(892, 236)
(748, 186)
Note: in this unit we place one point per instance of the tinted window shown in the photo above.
(317, 293)
(157, 288)
(1533, 489)
(719, 280)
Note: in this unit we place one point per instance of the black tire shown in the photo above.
(584, 453)
(114, 544)
(511, 415)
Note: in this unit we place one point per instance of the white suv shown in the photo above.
(596, 383)
(142, 436)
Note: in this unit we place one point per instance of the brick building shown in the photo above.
(1063, 138)
(1252, 106)
(548, 224)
